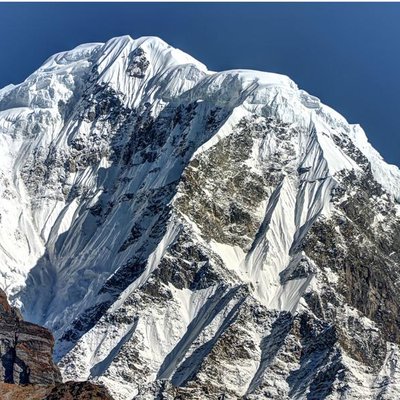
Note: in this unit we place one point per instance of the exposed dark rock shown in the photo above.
(60, 391)
(138, 63)
(206, 182)
(363, 254)
(78, 391)
(301, 269)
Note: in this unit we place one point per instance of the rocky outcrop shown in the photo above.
(138, 64)
(26, 349)
(60, 391)
(78, 391)
(27, 370)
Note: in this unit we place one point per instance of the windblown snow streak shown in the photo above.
(198, 234)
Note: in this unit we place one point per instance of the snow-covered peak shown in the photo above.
(148, 70)
(128, 65)
(168, 55)
(151, 209)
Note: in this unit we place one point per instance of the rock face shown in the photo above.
(78, 391)
(59, 391)
(26, 349)
(199, 234)
(27, 370)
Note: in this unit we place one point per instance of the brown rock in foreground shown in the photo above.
(25, 349)
(78, 391)
(27, 370)
(59, 391)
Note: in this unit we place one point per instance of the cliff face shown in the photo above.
(27, 370)
(26, 349)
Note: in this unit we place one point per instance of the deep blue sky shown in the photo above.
(346, 54)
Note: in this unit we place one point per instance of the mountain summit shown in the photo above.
(192, 234)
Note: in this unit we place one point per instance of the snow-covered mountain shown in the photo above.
(192, 234)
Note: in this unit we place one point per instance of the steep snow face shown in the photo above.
(198, 234)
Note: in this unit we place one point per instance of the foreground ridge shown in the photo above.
(27, 370)
(198, 234)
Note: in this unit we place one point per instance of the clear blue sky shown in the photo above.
(347, 54)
